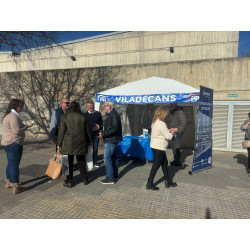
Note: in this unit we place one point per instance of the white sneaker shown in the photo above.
(97, 166)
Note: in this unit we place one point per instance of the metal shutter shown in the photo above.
(240, 114)
(220, 121)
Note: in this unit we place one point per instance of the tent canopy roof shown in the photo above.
(151, 86)
(150, 90)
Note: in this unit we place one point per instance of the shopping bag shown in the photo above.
(246, 144)
(89, 159)
(64, 160)
(54, 168)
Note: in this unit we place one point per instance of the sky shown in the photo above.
(244, 42)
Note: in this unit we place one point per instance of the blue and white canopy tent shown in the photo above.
(150, 90)
(156, 90)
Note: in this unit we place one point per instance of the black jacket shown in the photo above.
(112, 132)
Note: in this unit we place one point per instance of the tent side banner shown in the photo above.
(203, 134)
(144, 99)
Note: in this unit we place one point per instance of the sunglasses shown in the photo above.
(67, 103)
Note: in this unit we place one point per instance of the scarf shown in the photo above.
(14, 111)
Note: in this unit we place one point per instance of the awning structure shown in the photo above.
(150, 90)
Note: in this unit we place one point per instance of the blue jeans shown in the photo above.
(95, 148)
(14, 153)
(110, 160)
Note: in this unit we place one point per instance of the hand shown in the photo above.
(100, 135)
(29, 125)
(247, 124)
(172, 132)
(96, 127)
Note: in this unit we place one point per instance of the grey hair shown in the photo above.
(110, 103)
(90, 102)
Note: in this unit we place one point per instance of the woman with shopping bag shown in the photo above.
(13, 133)
(246, 143)
(73, 139)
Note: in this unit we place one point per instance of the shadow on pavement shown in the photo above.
(101, 172)
(43, 179)
(241, 159)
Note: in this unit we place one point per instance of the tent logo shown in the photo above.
(193, 97)
(101, 98)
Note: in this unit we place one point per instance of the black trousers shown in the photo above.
(248, 164)
(81, 164)
(160, 159)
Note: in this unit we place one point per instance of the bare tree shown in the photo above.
(245, 53)
(42, 90)
(17, 41)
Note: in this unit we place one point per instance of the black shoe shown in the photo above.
(67, 184)
(175, 163)
(170, 184)
(150, 186)
(107, 181)
(116, 179)
(85, 182)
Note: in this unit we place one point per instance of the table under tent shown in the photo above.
(131, 99)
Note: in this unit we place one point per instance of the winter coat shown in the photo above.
(13, 130)
(159, 136)
(74, 134)
(247, 131)
(178, 119)
(112, 130)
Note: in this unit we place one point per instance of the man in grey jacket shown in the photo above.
(177, 124)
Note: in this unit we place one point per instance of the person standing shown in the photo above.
(94, 119)
(159, 142)
(74, 136)
(245, 127)
(177, 125)
(147, 117)
(56, 119)
(13, 134)
(111, 134)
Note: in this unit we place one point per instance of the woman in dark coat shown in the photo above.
(73, 139)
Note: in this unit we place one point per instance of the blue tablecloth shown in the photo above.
(135, 146)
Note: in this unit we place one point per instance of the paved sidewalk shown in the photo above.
(219, 192)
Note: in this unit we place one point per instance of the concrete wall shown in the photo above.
(225, 76)
(128, 48)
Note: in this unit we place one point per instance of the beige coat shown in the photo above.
(13, 130)
(159, 135)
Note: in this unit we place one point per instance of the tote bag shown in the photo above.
(54, 168)
(246, 144)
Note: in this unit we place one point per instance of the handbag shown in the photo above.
(246, 144)
(54, 167)
(89, 159)
(64, 160)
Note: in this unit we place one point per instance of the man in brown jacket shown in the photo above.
(177, 124)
